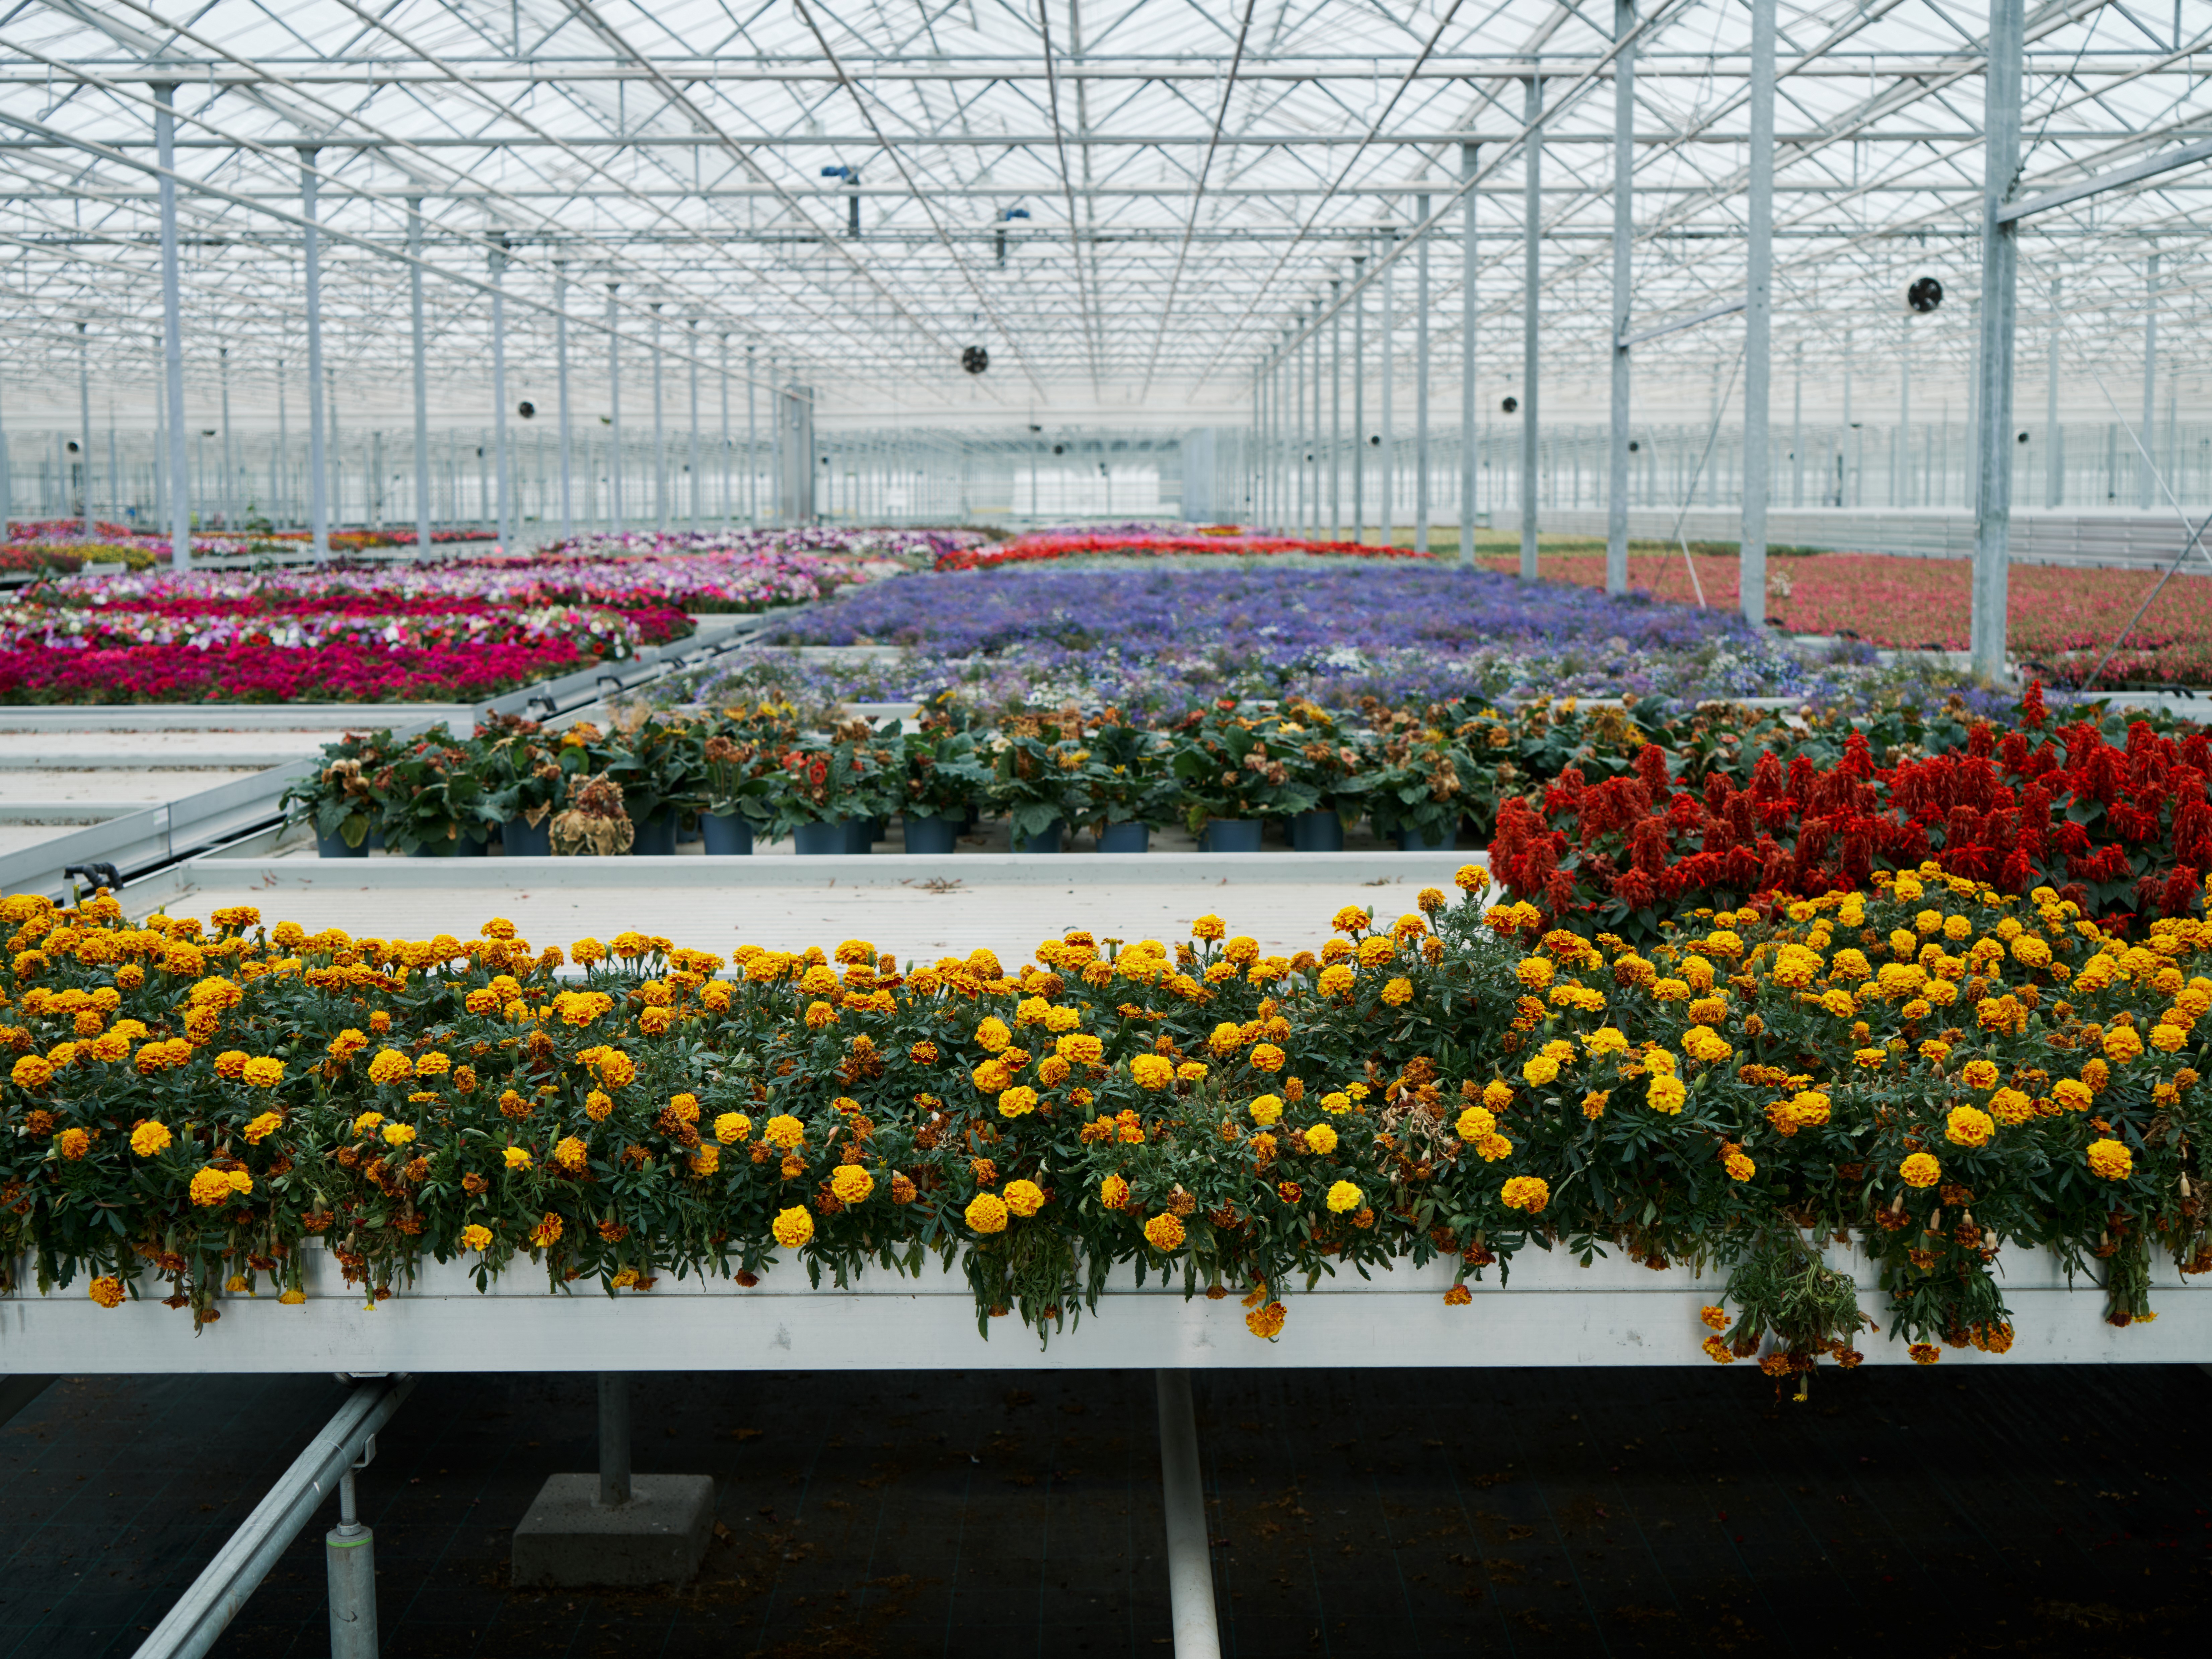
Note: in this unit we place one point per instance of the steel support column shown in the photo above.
(2146, 473)
(692, 345)
(2000, 298)
(1335, 409)
(1468, 156)
(1314, 425)
(1623, 245)
(1532, 225)
(1758, 315)
(659, 436)
(752, 443)
(614, 418)
(503, 525)
(565, 415)
(1358, 403)
(172, 328)
(319, 476)
(422, 379)
(2054, 442)
(722, 380)
(1387, 473)
(84, 421)
(1421, 381)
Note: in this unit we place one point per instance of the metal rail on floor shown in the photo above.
(1190, 1557)
(215, 1597)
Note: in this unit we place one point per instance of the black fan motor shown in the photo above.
(1925, 294)
(975, 359)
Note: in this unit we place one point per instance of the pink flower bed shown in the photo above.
(345, 672)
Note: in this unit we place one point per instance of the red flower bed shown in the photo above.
(264, 673)
(2116, 829)
(1030, 550)
(2058, 620)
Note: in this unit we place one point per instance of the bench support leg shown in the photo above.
(349, 1553)
(1190, 1563)
(614, 1528)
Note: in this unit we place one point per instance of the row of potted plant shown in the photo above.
(747, 773)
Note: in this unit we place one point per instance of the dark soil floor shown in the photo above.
(2002, 1510)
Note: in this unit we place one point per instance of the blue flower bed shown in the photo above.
(1148, 638)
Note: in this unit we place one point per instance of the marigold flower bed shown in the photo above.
(1933, 1068)
(2059, 620)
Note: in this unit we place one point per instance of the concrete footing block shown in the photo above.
(569, 1541)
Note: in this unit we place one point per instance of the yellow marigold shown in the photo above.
(1921, 1169)
(2072, 1094)
(1321, 1139)
(1336, 1103)
(262, 1127)
(993, 1035)
(1606, 1040)
(476, 1236)
(1534, 973)
(1739, 1166)
(571, 1154)
(1398, 992)
(1969, 1126)
(1352, 919)
(397, 1134)
(784, 1131)
(1267, 1057)
(1192, 1070)
(2123, 1045)
(264, 1073)
(1979, 1074)
(1017, 1102)
(1080, 1048)
(518, 1157)
(150, 1139)
(793, 1227)
(210, 1187)
(1471, 878)
(1374, 951)
(230, 1064)
(1209, 928)
(107, 1291)
(1024, 1198)
(1666, 1093)
(1152, 1071)
(1266, 1322)
(733, 1127)
(851, 1184)
(547, 1233)
(2167, 1038)
(390, 1065)
(987, 1213)
(1164, 1232)
(1715, 1318)
(1702, 1042)
(1266, 1110)
(2111, 1160)
(1474, 1122)
(1529, 1193)
(1345, 1196)
(1539, 1069)
(1114, 1192)
(1337, 980)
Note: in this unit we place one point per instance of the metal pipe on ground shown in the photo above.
(1190, 1562)
(201, 1615)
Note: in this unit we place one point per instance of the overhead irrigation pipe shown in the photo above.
(173, 30)
(298, 221)
(224, 1585)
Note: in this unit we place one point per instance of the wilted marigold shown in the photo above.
(1715, 1318)
(1717, 1350)
(1925, 1353)
(987, 1213)
(1266, 1322)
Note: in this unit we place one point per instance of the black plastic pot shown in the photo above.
(656, 837)
(1412, 841)
(1125, 838)
(725, 834)
(879, 827)
(523, 842)
(465, 847)
(931, 835)
(809, 840)
(1317, 832)
(1045, 840)
(334, 847)
(1232, 835)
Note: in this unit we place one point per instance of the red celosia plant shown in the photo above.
(2115, 829)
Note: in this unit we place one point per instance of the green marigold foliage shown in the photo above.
(1928, 1073)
